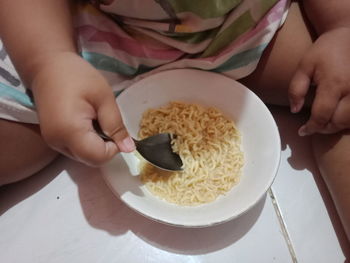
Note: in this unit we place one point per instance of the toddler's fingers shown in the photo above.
(298, 89)
(112, 124)
(341, 117)
(323, 108)
(90, 149)
(78, 140)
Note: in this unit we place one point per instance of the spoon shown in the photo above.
(155, 149)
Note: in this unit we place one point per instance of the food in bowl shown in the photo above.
(209, 145)
(260, 142)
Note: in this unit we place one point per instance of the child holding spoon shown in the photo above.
(68, 55)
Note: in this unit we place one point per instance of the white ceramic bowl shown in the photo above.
(260, 144)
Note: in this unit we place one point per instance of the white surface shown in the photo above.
(89, 224)
(260, 144)
(304, 201)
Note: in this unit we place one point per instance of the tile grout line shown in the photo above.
(283, 226)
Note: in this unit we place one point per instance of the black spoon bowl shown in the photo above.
(155, 149)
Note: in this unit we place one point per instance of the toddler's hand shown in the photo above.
(327, 65)
(69, 93)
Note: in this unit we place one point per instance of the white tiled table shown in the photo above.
(66, 213)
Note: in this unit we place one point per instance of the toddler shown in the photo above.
(63, 62)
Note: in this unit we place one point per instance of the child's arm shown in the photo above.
(327, 65)
(34, 32)
(68, 92)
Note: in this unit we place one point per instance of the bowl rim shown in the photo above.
(234, 215)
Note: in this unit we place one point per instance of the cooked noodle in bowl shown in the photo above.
(226, 137)
(209, 145)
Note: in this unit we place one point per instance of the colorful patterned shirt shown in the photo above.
(130, 39)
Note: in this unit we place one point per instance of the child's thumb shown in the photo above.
(112, 125)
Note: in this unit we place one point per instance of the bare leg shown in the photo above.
(23, 152)
(332, 155)
(277, 66)
(270, 81)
